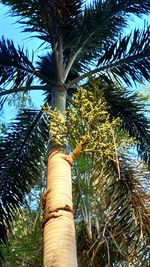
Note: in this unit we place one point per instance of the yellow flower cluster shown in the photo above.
(88, 117)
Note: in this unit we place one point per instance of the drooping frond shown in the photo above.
(115, 205)
(128, 59)
(15, 66)
(21, 152)
(130, 107)
(130, 214)
(17, 71)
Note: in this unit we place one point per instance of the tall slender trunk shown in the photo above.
(58, 222)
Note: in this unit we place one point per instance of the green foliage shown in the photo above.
(3, 128)
(25, 237)
(25, 243)
(20, 101)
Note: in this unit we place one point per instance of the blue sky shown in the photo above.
(12, 30)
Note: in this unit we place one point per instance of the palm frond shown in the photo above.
(46, 69)
(128, 59)
(130, 214)
(21, 150)
(49, 18)
(130, 108)
(120, 233)
(76, 24)
(15, 66)
(99, 24)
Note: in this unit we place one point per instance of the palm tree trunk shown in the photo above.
(58, 222)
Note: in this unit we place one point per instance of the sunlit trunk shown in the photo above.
(58, 222)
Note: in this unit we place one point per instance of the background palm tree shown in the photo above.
(79, 41)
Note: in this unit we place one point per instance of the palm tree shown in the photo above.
(80, 41)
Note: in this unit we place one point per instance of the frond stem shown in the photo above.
(22, 89)
(104, 68)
